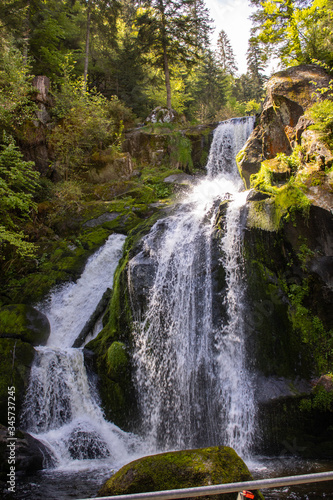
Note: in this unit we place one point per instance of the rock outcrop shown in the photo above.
(30, 454)
(289, 94)
(21, 328)
(180, 469)
(184, 149)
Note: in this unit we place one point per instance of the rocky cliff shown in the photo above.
(289, 262)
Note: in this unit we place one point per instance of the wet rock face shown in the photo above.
(289, 94)
(30, 454)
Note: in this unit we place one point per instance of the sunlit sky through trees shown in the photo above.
(233, 17)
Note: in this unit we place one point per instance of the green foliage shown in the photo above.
(18, 182)
(310, 327)
(206, 88)
(322, 114)
(225, 54)
(321, 400)
(296, 31)
(180, 154)
(88, 123)
(16, 105)
(172, 33)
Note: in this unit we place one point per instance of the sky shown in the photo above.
(233, 17)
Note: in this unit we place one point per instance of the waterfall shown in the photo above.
(193, 385)
(61, 406)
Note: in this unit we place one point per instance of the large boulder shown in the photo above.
(28, 454)
(289, 94)
(16, 358)
(180, 469)
(24, 322)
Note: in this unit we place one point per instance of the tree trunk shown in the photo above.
(86, 59)
(167, 79)
(26, 35)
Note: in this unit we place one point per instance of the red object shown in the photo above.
(247, 494)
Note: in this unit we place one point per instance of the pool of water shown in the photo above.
(70, 485)
(268, 467)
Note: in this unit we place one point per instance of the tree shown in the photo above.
(18, 182)
(225, 54)
(101, 14)
(207, 88)
(169, 33)
(255, 69)
(16, 105)
(291, 29)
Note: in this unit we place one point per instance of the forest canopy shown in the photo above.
(111, 62)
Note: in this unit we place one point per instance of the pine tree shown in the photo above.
(225, 54)
(171, 32)
(207, 88)
(101, 15)
(255, 69)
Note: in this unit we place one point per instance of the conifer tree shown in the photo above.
(255, 68)
(225, 54)
(171, 32)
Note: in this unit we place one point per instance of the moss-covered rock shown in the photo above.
(16, 358)
(21, 321)
(117, 361)
(289, 94)
(180, 469)
(113, 345)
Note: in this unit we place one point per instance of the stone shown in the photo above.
(21, 321)
(162, 115)
(107, 167)
(30, 454)
(180, 469)
(325, 381)
(289, 94)
(182, 179)
(16, 358)
(42, 85)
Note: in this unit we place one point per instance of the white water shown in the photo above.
(61, 407)
(193, 385)
(194, 389)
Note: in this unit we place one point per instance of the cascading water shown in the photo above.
(191, 377)
(62, 408)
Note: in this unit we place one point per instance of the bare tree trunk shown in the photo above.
(167, 79)
(26, 34)
(86, 59)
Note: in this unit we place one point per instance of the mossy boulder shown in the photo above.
(16, 358)
(289, 94)
(180, 469)
(21, 321)
(117, 361)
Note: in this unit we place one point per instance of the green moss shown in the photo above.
(287, 199)
(15, 361)
(290, 198)
(117, 361)
(182, 469)
(262, 215)
(320, 400)
(24, 322)
(310, 327)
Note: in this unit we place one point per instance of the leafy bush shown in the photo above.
(87, 122)
(322, 114)
(15, 90)
(18, 182)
